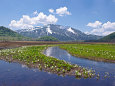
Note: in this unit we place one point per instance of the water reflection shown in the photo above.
(24, 66)
(49, 51)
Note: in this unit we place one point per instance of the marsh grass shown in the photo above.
(99, 52)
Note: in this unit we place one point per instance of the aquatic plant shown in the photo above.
(78, 73)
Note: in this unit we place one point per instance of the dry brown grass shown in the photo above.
(13, 44)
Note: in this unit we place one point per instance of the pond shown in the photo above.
(14, 74)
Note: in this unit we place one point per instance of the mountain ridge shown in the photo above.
(63, 33)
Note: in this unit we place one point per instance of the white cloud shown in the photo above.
(95, 24)
(51, 10)
(102, 29)
(62, 11)
(35, 13)
(39, 18)
(29, 22)
(109, 25)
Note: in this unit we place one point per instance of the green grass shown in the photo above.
(32, 55)
(100, 52)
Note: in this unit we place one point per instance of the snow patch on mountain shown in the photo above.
(70, 30)
(36, 31)
(48, 30)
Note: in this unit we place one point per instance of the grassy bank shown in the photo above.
(32, 57)
(98, 52)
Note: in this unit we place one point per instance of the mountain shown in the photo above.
(47, 38)
(7, 34)
(108, 38)
(63, 33)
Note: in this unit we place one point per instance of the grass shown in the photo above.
(32, 56)
(99, 52)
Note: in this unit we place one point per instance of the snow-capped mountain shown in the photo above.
(63, 33)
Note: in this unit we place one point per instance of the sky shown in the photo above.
(90, 16)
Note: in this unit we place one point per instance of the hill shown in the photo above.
(47, 38)
(7, 34)
(108, 38)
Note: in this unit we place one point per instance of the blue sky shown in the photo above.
(90, 16)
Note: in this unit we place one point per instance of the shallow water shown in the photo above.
(100, 67)
(14, 74)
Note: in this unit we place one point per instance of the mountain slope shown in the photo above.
(108, 38)
(63, 33)
(7, 34)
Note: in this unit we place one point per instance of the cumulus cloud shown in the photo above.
(95, 24)
(101, 29)
(51, 10)
(62, 11)
(39, 18)
(29, 22)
